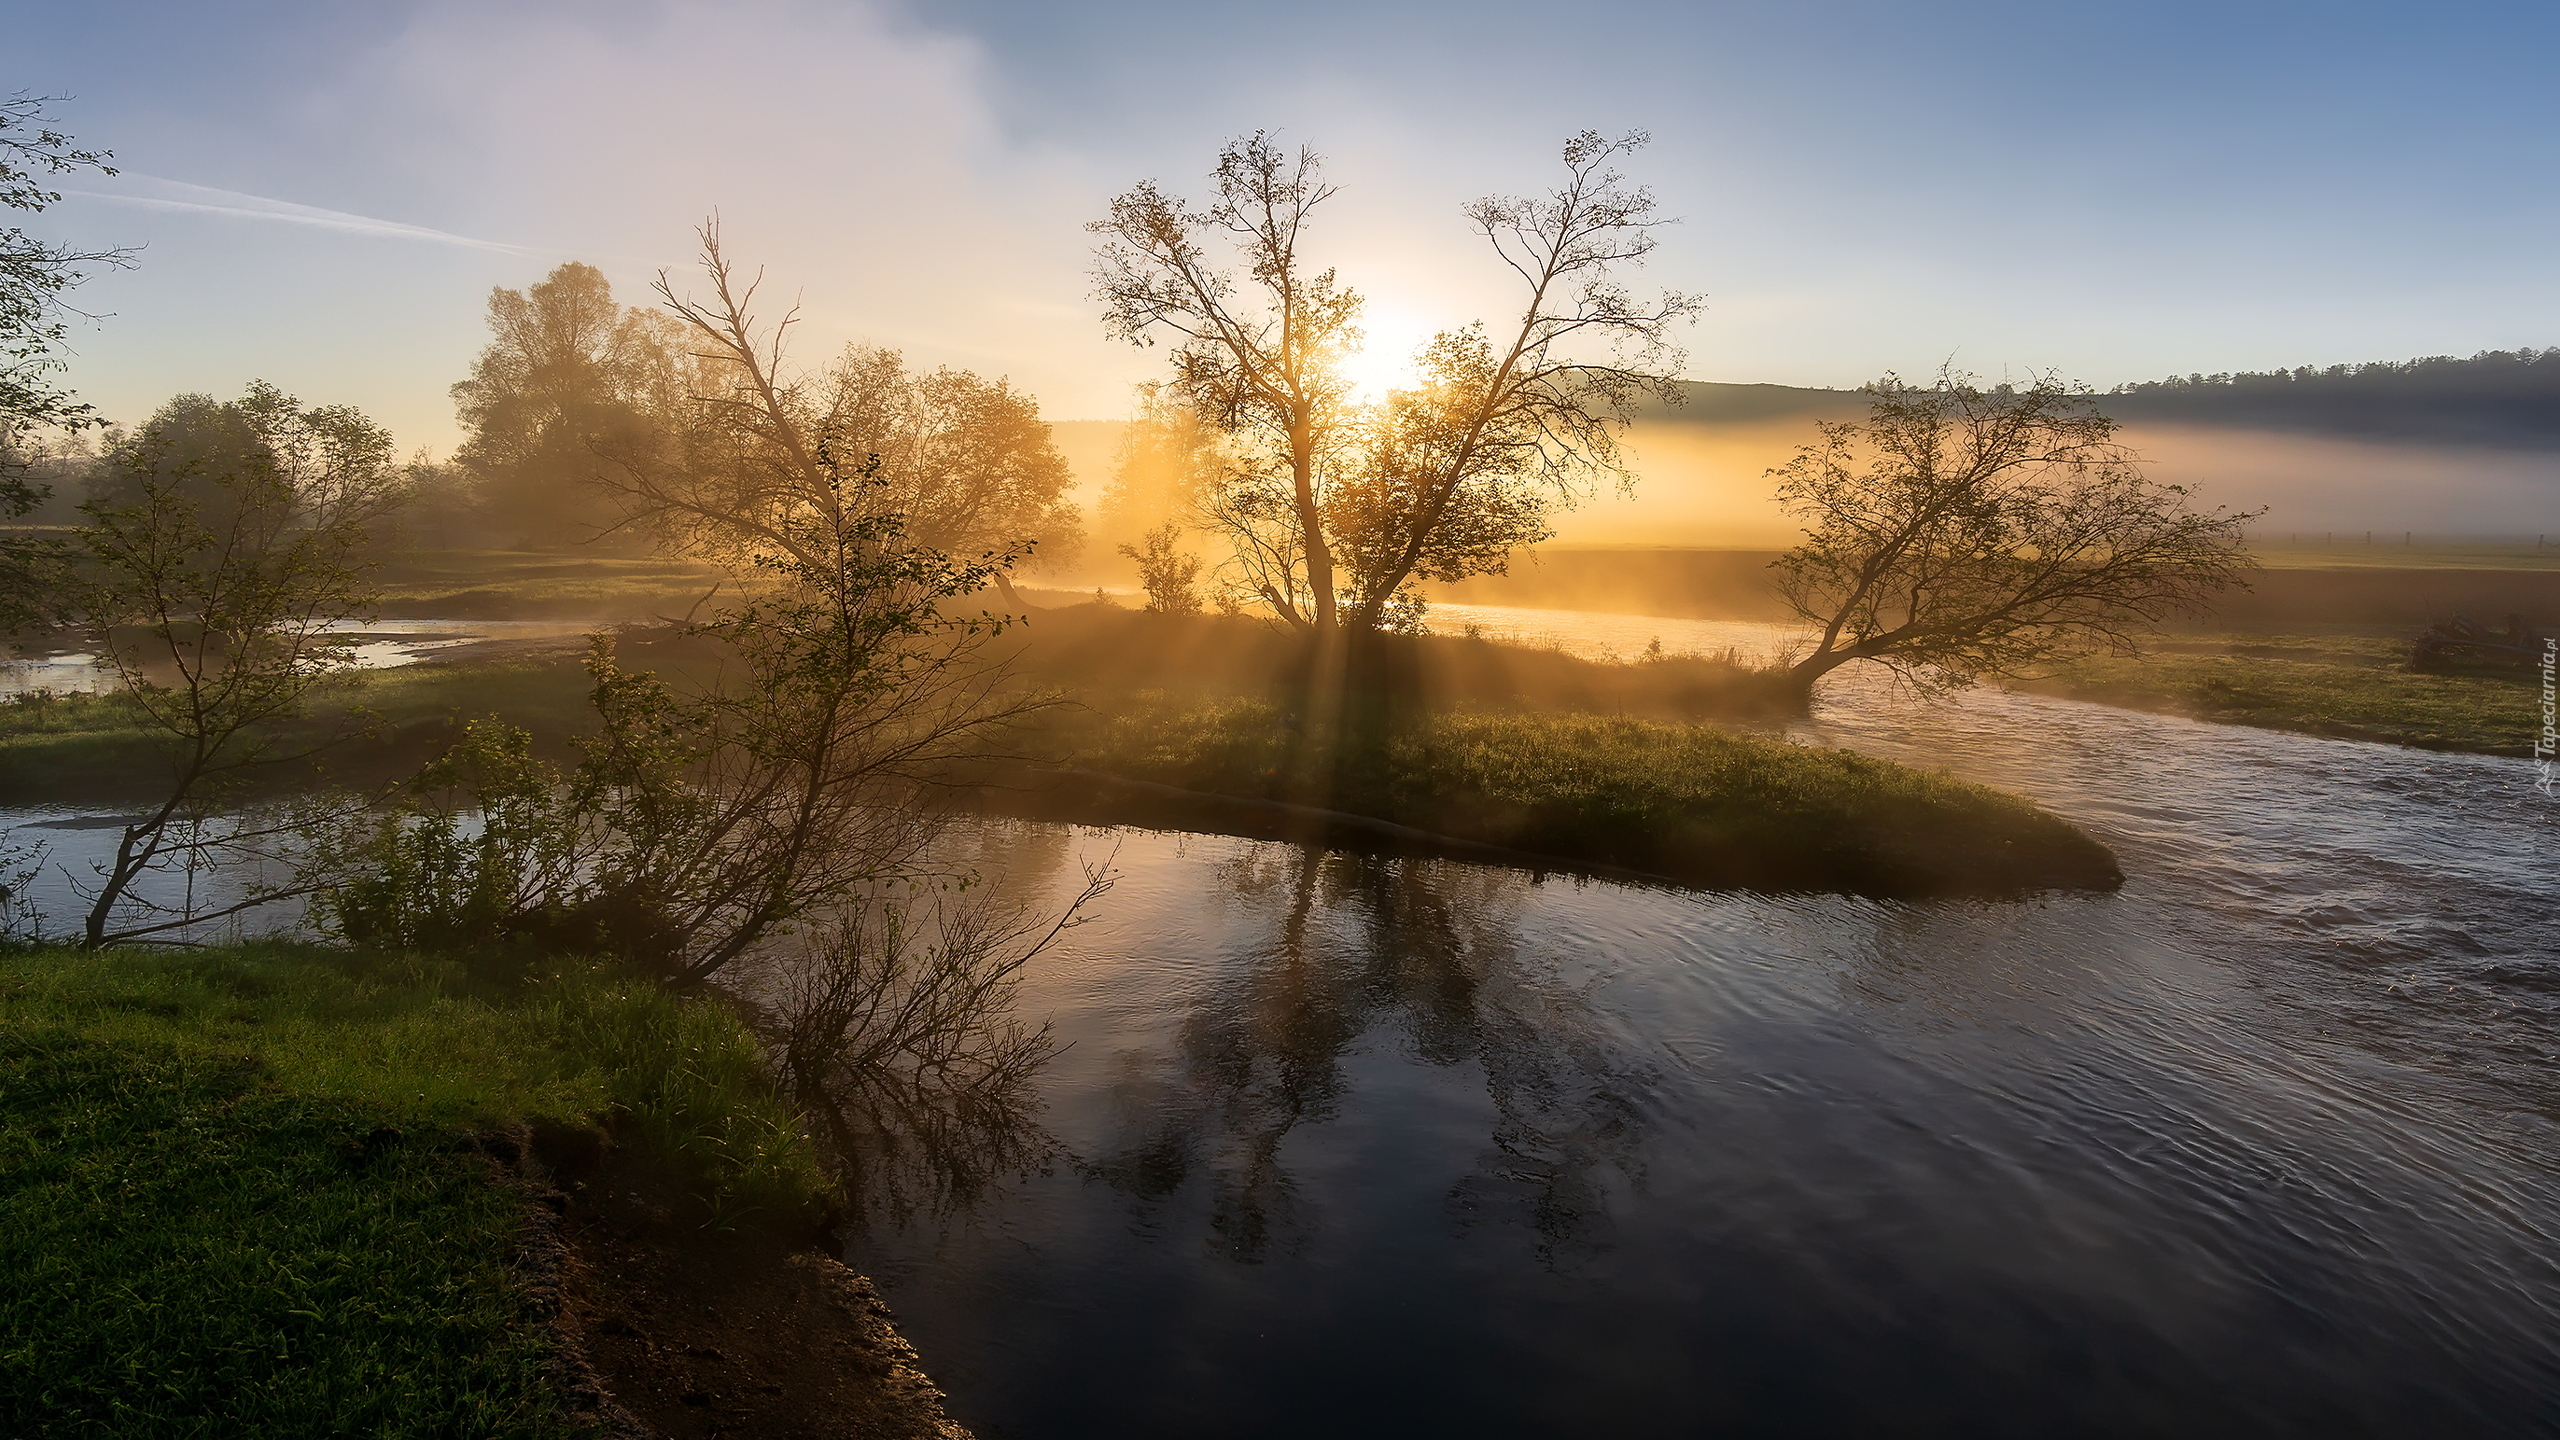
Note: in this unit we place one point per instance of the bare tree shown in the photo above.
(747, 448)
(895, 1022)
(1334, 509)
(219, 567)
(1257, 355)
(1962, 531)
(790, 756)
(1470, 464)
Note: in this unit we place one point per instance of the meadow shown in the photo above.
(272, 1189)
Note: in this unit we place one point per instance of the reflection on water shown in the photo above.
(2261, 1144)
(1356, 952)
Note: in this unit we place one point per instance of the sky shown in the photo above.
(324, 194)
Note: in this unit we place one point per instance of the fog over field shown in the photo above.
(1702, 472)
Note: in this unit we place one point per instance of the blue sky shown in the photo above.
(326, 192)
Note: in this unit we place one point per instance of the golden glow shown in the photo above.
(1386, 361)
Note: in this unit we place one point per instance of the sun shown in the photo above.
(1386, 361)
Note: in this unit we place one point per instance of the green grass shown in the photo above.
(98, 748)
(2356, 687)
(527, 584)
(1685, 801)
(237, 1195)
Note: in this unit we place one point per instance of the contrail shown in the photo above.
(259, 207)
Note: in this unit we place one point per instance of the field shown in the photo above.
(2354, 686)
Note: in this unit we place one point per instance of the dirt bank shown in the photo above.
(682, 1328)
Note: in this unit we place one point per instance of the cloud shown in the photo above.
(161, 194)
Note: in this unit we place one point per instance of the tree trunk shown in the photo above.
(1302, 467)
(1802, 676)
(1012, 601)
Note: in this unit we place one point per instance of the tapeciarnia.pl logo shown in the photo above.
(2547, 744)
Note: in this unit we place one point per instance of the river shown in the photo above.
(1345, 1145)
(2261, 1144)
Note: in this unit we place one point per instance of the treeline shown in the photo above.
(578, 398)
(2506, 398)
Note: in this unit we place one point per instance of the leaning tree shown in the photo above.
(1961, 531)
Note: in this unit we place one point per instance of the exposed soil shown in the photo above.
(673, 1328)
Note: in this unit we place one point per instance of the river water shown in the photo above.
(2261, 1144)
(1344, 1145)
(371, 645)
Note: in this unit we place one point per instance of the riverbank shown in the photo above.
(277, 1189)
(1547, 758)
(1688, 804)
(2342, 686)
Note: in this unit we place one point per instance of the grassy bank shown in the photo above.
(80, 749)
(2353, 686)
(1685, 802)
(248, 1191)
(537, 585)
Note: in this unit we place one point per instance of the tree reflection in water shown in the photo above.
(1422, 953)
(894, 1023)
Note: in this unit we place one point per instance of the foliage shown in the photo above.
(2498, 397)
(1960, 531)
(1334, 509)
(1167, 573)
(567, 372)
(239, 1196)
(1686, 801)
(34, 275)
(1166, 464)
(743, 456)
(220, 561)
(700, 819)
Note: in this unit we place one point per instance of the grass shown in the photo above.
(239, 1192)
(2355, 686)
(1687, 802)
(528, 584)
(98, 748)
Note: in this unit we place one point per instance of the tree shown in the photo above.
(1258, 357)
(34, 275)
(567, 372)
(1166, 571)
(965, 459)
(789, 763)
(1335, 509)
(745, 448)
(219, 566)
(1960, 531)
(1166, 465)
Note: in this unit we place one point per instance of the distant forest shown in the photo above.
(2504, 398)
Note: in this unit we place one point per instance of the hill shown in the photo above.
(2507, 399)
